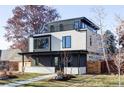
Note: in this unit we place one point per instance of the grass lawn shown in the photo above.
(82, 81)
(20, 77)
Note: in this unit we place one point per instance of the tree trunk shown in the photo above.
(104, 54)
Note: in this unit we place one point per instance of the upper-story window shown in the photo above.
(76, 25)
(66, 42)
(85, 26)
(52, 28)
(61, 27)
(41, 43)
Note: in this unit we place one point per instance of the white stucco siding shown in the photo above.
(31, 41)
(78, 40)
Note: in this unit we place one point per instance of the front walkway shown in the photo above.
(21, 83)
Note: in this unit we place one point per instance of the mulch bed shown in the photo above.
(64, 77)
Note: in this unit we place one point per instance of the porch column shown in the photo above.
(78, 63)
(23, 67)
(51, 60)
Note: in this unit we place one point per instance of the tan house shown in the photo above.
(11, 60)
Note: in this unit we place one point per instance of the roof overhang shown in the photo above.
(54, 52)
(87, 21)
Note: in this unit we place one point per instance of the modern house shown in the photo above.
(68, 45)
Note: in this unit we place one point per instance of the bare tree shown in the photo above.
(119, 60)
(67, 58)
(26, 21)
(99, 17)
(118, 56)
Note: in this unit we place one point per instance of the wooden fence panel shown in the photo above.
(93, 67)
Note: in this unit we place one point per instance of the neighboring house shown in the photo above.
(11, 60)
(77, 37)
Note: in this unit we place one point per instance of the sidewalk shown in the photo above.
(19, 83)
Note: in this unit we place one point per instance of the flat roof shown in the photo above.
(82, 18)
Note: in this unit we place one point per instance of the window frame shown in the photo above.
(64, 42)
(52, 28)
(61, 27)
(90, 40)
(77, 24)
(37, 42)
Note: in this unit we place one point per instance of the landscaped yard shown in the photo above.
(82, 81)
(20, 77)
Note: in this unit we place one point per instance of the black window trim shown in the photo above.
(44, 36)
(65, 41)
(52, 28)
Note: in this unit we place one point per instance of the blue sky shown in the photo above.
(70, 11)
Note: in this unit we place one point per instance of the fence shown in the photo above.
(93, 67)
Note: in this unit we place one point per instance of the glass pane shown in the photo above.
(56, 61)
(41, 43)
(68, 42)
(61, 27)
(76, 25)
(44, 43)
(35, 43)
(63, 42)
(82, 26)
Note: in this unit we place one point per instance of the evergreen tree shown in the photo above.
(109, 43)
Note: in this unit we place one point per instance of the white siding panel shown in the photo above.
(82, 70)
(43, 70)
(31, 41)
(75, 70)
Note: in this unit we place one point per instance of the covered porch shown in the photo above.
(51, 62)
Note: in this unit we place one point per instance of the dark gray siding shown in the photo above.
(67, 25)
(78, 61)
(41, 61)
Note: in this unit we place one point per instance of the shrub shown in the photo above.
(63, 77)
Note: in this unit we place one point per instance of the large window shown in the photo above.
(85, 26)
(41, 43)
(76, 25)
(66, 42)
